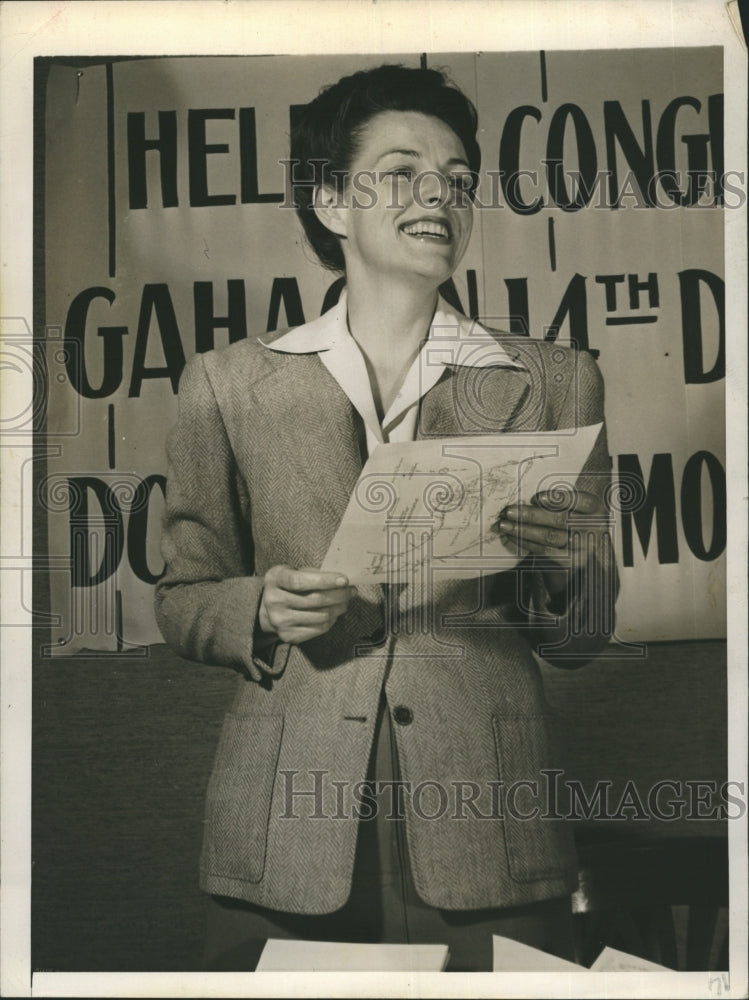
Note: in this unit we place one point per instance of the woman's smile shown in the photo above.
(428, 229)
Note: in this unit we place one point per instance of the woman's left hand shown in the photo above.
(543, 528)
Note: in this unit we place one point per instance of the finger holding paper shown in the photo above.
(301, 604)
(545, 526)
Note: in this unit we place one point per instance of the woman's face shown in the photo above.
(406, 208)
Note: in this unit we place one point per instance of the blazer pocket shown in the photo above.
(239, 796)
(538, 846)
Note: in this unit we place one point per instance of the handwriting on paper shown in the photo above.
(433, 504)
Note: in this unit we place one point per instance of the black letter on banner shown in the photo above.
(691, 325)
(665, 145)
(205, 320)
(517, 304)
(332, 295)
(575, 305)
(198, 150)
(650, 286)
(138, 146)
(81, 570)
(691, 505)
(156, 299)
(660, 499)
(640, 161)
(697, 171)
(715, 125)
(586, 157)
(75, 333)
(449, 293)
(285, 290)
(137, 529)
(248, 161)
(509, 159)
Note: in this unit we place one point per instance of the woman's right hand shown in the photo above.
(300, 604)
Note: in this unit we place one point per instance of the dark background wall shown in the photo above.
(122, 750)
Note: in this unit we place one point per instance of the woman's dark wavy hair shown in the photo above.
(325, 134)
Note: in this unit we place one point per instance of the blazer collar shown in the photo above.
(454, 340)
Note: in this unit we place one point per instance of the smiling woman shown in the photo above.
(428, 685)
(412, 236)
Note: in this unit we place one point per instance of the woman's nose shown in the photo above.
(431, 189)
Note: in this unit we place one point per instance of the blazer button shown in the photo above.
(403, 715)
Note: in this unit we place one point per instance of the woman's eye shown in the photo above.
(406, 172)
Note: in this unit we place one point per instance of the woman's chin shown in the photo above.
(435, 271)
(430, 269)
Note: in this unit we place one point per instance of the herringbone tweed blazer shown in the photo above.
(262, 461)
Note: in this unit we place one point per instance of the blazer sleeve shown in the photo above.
(570, 634)
(208, 598)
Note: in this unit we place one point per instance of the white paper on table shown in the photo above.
(281, 955)
(420, 504)
(514, 956)
(611, 960)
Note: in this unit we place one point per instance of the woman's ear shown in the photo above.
(330, 209)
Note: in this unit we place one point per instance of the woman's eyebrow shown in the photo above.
(402, 152)
(417, 155)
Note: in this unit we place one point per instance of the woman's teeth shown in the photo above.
(438, 229)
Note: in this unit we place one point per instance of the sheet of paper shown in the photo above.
(611, 960)
(513, 956)
(423, 504)
(332, 956)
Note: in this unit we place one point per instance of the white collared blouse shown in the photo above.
(452, 339)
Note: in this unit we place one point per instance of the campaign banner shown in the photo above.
(599, 222)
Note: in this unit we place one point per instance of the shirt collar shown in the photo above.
(453, 339)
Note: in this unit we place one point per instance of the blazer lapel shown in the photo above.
(316, 438)
(481, 401)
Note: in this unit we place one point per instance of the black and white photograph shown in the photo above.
(374, 499)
